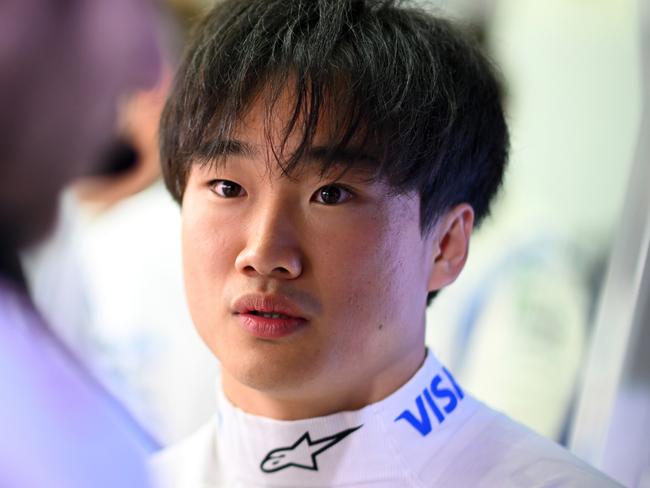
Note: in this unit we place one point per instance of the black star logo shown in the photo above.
(302, 454)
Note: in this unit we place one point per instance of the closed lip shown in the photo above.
(260, 303)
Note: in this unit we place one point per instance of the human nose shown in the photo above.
(272, 248)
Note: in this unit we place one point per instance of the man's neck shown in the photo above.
(320, 400)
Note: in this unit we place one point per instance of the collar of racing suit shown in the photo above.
(388, 443)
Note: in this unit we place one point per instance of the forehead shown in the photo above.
(277, 127)
(283, 113)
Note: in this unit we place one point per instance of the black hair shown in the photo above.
(417, 93)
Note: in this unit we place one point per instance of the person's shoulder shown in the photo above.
(188, 463)
(503, 452)
(51, 411)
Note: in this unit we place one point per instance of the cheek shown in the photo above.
(378, 277)
(207, 258)
(356, 267)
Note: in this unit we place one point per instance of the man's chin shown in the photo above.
(272, 378)
(270, 373)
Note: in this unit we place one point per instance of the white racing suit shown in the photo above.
(429, 433)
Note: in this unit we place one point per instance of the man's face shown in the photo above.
(305, 288)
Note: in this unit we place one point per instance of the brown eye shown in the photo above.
(227, 189)
(332, 195)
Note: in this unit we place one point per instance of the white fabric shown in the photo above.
(428, 433)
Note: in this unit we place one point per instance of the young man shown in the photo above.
(331, 158)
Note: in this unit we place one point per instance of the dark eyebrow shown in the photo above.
(344, 160)
(222, 148)
(233, 147)
(330, 159)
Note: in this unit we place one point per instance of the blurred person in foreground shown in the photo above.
(63, 67)
(331, 159)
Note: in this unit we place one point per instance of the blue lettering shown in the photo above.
(423, 424)
(434, 407)
(453, 382)
(439, 392)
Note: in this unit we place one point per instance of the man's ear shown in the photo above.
(450, 241)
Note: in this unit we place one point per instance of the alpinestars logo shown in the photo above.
(302, 454)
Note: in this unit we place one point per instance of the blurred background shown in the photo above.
(549, 320)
